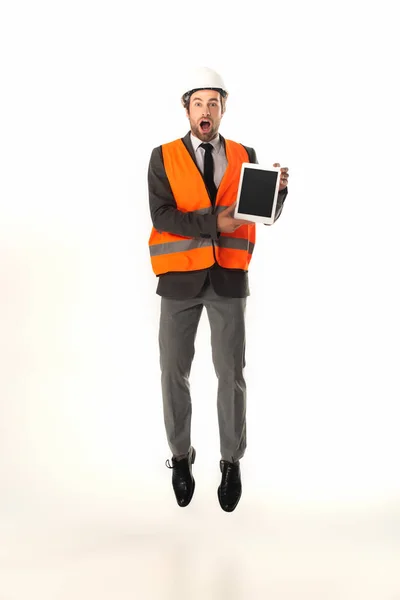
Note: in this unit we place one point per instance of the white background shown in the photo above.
(88, 89)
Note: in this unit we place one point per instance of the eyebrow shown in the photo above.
(210, 99)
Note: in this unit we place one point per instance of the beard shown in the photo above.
(202, 135)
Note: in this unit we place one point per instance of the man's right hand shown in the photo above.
(228, 224)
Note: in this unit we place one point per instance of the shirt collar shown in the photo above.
(216, 142)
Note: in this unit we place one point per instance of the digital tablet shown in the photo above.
(257, 193)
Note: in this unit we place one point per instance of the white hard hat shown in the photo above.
(203, 78)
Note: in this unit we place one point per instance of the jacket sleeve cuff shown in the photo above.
(210, 228)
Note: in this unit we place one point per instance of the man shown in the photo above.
(201, 254)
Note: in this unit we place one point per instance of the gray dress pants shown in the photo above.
(179, 321)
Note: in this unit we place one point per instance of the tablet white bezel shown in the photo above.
(257, 218)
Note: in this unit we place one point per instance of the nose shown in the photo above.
(206, 114)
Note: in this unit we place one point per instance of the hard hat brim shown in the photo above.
(223, 93)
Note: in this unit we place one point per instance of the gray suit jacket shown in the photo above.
(166, 217)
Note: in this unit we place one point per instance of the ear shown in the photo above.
(224, 104)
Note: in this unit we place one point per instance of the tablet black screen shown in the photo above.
(257, 193)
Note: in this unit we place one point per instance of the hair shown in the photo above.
(186, 97)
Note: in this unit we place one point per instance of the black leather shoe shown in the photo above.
(182, 478)
(230, 490)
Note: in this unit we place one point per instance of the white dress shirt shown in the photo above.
(220, 162)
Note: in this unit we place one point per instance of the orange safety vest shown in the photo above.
(170, 252)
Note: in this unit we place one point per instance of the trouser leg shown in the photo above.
(179, 321)
(227, 323)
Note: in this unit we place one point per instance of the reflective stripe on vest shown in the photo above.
(190, 244)
(180, 246)
(170, 252)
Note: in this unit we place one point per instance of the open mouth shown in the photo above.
(205, 125)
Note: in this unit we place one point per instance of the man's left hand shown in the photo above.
(283, 177)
